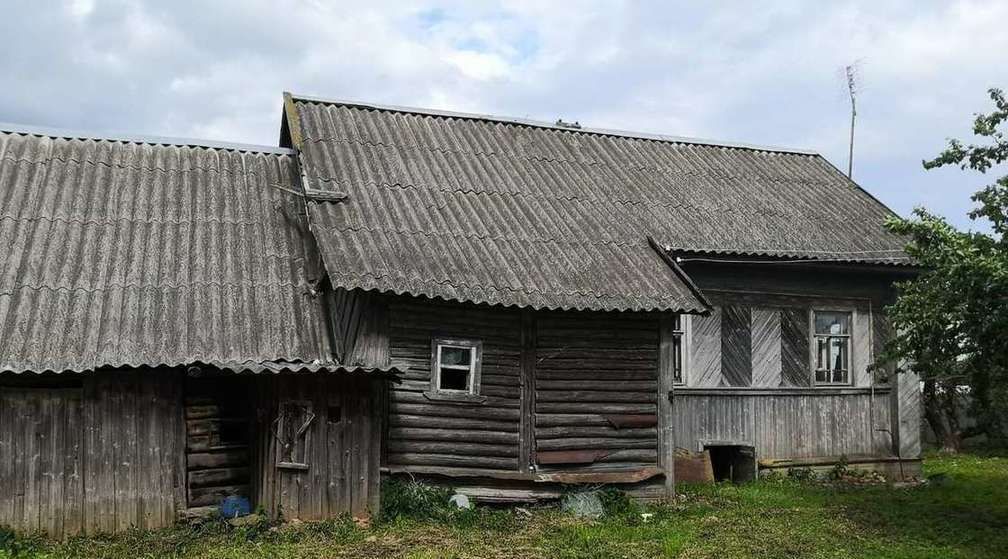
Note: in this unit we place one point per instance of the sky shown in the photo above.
(770, 74)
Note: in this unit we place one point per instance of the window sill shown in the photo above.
(451, 398)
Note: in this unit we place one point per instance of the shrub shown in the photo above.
(615, 502)
(413, 499)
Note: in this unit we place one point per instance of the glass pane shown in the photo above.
(832, 323)
(838, 354)
(822, 353)
(454, 379)
(677, 359)
(455, 355)
(820, 376)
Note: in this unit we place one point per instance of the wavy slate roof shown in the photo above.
(136, 252)
(504, 211)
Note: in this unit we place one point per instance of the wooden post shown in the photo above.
(666, 431)
(526, 432)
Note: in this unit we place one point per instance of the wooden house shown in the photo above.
(499, 305)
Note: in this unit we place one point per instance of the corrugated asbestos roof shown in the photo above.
(128, 253)
(489, 210)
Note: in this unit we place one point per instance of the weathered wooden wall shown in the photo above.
(218, 431)
(786, 424)
(427, 434)
(96, 453)
(596, 381)
(343, 446)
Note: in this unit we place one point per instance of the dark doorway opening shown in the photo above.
(734, 463)
(219, 430)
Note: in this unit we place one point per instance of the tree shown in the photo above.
(951, 321)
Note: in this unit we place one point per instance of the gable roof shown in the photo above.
(515, 212)
(133, 251)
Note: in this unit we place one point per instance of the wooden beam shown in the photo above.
(526, 431)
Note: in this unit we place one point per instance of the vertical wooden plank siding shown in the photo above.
(736, 345)
(786, 425)
(98, 458)
(861, 348)
(343, 452)
(908, 406)
(666, 384)
(705, 365)
(766, 347)
(795, 366)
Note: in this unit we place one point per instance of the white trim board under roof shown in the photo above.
(45, 131)
(554, 126)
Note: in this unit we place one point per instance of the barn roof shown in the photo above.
(147, 251)
(516, 212)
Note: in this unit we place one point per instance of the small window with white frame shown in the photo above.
(455, 366)
(831, 344)
(680, 341)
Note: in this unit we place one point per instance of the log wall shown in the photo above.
(596, 382)
(91, 454)
(425, 433)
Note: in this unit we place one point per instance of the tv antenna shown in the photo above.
(852, 89)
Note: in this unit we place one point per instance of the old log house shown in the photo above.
(499, 305)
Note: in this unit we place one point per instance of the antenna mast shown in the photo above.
(853, 113)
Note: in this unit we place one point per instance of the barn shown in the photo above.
(503, 306)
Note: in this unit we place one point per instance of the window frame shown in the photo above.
(814, 349)
(684, 334)
(475, 347)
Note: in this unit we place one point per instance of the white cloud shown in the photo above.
(764, 74)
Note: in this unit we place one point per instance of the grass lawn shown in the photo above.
(964, 515)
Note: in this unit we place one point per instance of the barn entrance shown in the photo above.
(218, 433)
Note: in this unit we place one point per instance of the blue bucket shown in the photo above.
(235, 506)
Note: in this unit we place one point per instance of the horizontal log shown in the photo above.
(206, 460)
(571, 419)
(632, 475)
(593, 443)
(195, 427)
(214, 495)
(631, 421)
(491, 463)
(596, 407)
(452, 433)
(474, 426)
(564, 363)
(407, 397)
(218, 477)
(428, 408)
(569, 456)
(202, 412)
(567, 431)
(454, 448)
(636, 456)
(590, 383)
(596, 396)
(598, 374)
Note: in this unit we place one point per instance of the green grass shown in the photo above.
(965, 515)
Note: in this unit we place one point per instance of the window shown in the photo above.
(455, 366)
(679, 344)
(831, 344)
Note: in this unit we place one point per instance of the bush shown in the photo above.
(616, 502)
(413, 499)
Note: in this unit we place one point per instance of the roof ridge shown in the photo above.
(50, 132)
(553, 126)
